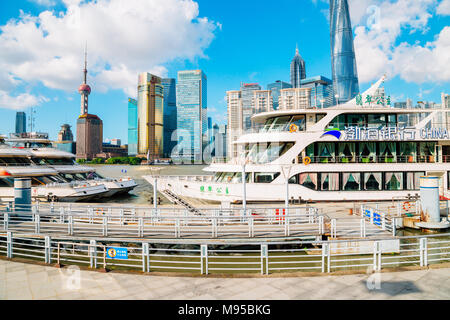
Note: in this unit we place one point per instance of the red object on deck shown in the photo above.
(442, 198)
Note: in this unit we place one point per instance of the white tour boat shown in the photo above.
(360, 150)
(43, 153)
(46, 184)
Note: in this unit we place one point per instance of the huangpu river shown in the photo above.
(143, 193)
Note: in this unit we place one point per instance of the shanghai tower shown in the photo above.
(343, 60)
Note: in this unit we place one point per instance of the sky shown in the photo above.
(42, 50)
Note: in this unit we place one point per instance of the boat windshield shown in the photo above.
(53, 161)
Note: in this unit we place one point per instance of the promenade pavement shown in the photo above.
(28, 281)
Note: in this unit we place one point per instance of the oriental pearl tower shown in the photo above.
(84, 89)
(89, 126)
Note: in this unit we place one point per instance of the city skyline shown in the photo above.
(226, 70)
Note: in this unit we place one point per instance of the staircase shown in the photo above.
(178, 200)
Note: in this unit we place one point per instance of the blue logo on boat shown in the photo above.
(335, 133)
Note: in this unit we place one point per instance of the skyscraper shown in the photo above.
(192, 122)
(298, 70)
(89, 126)
(235, 121)
(295, 99)
(275, 91)
(132, 127)
(321, 91)
(247, 96)
(21, 122)
(150, 116)
(170, 114)
(343, 60)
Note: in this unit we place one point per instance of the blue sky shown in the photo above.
(42, 43)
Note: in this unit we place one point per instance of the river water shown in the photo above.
(143, 193)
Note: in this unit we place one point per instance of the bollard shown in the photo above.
(22, 194)
(429, 197)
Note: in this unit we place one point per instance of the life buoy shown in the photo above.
(293, 128)
(100, 211)
(306, 161)
(406, 206)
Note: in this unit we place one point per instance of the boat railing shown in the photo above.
(371, 159)
(18, 165)
(198, 178)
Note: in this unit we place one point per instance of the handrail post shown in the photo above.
(105, 226)
(37, 224)
(264, 258)
(121, 213)
(9, 245)
(58, 260)
(321, 226)
(371, 215)
(325, 254)
(93, 254)
(140, 227)
(333, 228)
(104, 258)
(204, 258)
(423, 252)
(5, 221)
(61, 215)
(177, 228)
(250, 227)
(70, 226)
(377, 256)
(144, 257)
(48, 255)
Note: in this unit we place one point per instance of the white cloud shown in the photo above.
(45, 3)
(124, 38)
(444, 8)
(20, 102)
(377, 34)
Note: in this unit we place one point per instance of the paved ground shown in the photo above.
(27, 281)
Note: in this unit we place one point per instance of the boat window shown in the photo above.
(407, 152)
(351, 181)
(5, 183)
(337, 123)
(299, 121)
(392, 120)
(368, 152)
(356, 120)
(394, 181)
(377, 121)
(264, 177)
(427, 152)
(280, 124)
(227, 177)
(329, 181)
(388, 152)
(268, 124)
(309, 180)
(320, 116)
(326, 152)
(347, 152)
(373, 181)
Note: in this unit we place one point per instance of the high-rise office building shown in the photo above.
(220, 141)
(89, 126)
(321, 91)
(247, 96)
(21, 122)
(343, 59)
(275, 91)
(298, 70)
(445, 100)
(295, 98)
(150, 116)
(132, 127)
(170, 115)
(235, 121)
(65, 134)
(192, 122)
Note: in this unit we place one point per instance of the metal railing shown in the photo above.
(212, 258)
(304, 222)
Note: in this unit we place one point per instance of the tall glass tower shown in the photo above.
(343, 60)
(192, 122)
(21, 122)
(170, 114)
(298, 70)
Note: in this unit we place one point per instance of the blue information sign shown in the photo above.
(117, 253)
